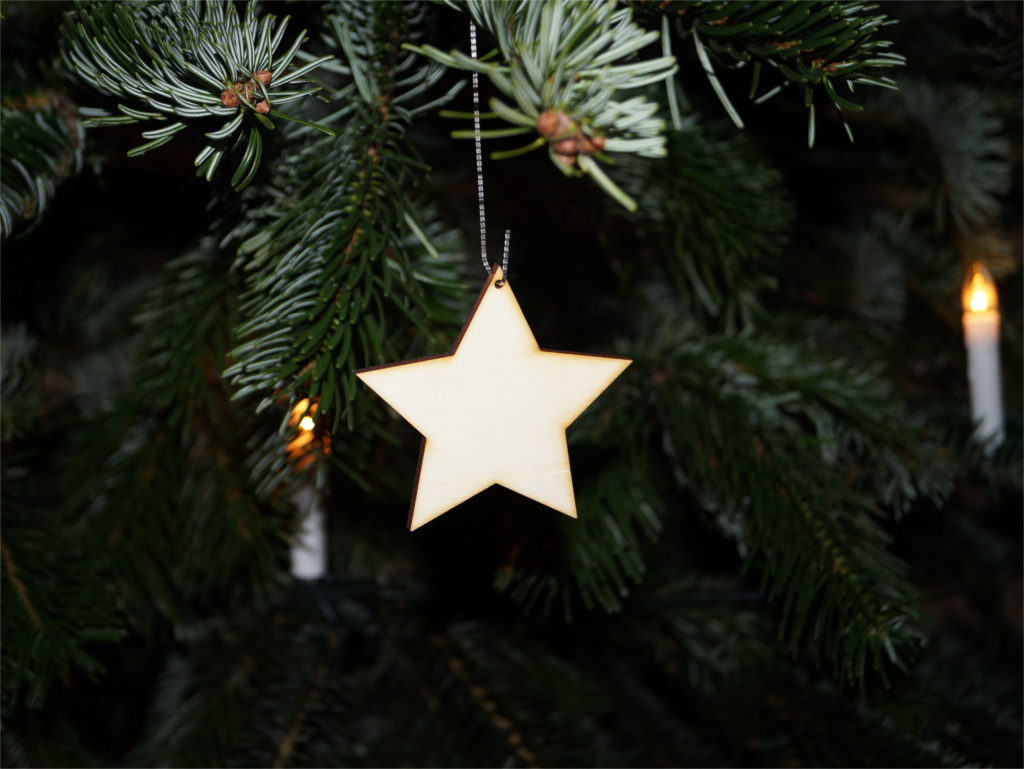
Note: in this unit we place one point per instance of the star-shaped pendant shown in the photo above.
(494, 409)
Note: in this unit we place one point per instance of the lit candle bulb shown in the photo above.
(309, 548)
(981, 337)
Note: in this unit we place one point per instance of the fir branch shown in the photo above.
(330, 267)
(564, 65)
(972, 691)
(19, 394)
(11, 572)
(325, 262)
(828, 44)
(654, 729)
(507, 702)
(188, 62)
(41, 145)
(877, 286)
(162, 475)
(287, 745)
(612, 523)
(235, 698)
(719, 633)
(41, 738)
(187, 321)
(783, 715)
(971, 157)
(175, 519)
(715, 213)
(601, 555)
(55, 604)
(126, 489)
(725, 404)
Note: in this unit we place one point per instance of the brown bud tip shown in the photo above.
(566, 160)
(591, 144)
(263, 76)
(547, 123)
(263, 107)
(229, 98)
(569, 146)
(553, 123)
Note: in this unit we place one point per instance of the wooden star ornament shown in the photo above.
(494, 409)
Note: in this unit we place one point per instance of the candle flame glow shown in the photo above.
(305, 442)
(302, 413)
(979, 293)
(978, 304)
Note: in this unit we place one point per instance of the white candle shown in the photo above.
(981, 337)
(309, 548)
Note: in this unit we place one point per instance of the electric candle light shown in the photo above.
(981, 337)
(309, 548)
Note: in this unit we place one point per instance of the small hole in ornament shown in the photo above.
(499, 284)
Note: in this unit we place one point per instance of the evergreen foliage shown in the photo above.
(717, 208)
(316, 299)
(565, 62)
(42, 146)
(55, 604)
(790, 550)
(188, 61)
(810, 44)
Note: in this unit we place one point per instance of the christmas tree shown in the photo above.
(795, 543)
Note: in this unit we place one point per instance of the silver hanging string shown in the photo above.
(479, 151)
(504, 261)
(478, 143)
